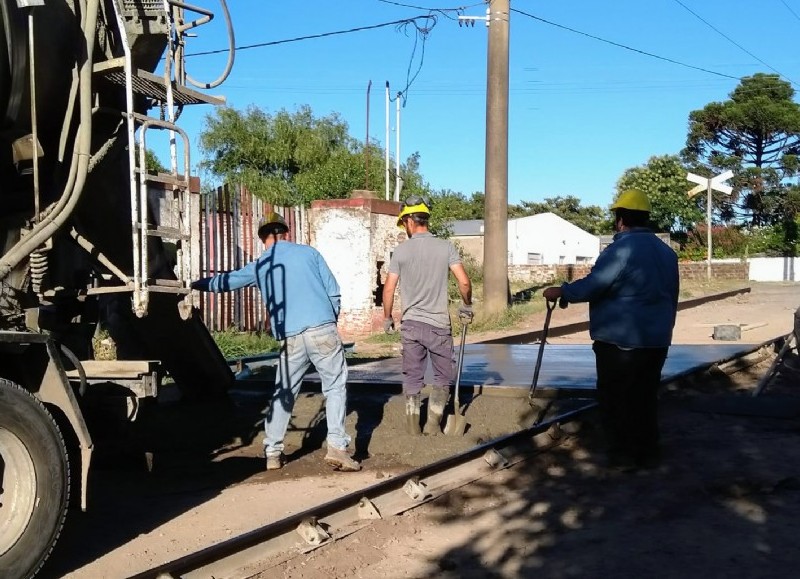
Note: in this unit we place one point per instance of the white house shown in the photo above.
(548, 239)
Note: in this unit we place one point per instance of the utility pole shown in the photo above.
(398, 180)
(495, 250)
(386, 151)
(366, 144)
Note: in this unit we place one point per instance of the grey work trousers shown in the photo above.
(421, 341)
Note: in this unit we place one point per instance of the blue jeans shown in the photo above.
(421, 341)
(322, 347)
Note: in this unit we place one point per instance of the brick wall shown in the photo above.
(356, 237)
(544, 274)
(689, 270)
(696, 270)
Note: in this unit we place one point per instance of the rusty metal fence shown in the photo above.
(229, 240)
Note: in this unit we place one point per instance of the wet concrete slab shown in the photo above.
(496, 367)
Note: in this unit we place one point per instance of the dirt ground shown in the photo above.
(724, 503)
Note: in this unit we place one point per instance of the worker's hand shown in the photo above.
(388, 325)
(551, 294)
(465, 314)
(200, 284)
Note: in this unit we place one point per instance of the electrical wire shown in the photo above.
(443, 11)
(790, 9)
(731, 40)
(423, 25)
(398, 23)
(617, 44)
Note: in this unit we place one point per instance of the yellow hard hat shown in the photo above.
(415, 204)
(632, 199)
(272, 222)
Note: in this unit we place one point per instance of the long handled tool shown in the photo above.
(534, 411)
(457, 423)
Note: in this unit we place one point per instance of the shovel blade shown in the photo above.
(531, 415)
(456, 425)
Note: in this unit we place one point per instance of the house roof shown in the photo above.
(474, 227)
(466, 227)
(552, 218)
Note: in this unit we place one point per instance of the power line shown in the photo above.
(790, 10)
(731, 40)
(443, 11)
(423, 25)
(617, 44)
(398, 23)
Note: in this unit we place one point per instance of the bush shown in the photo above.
(727, 241)
(473, 269)
(235, 344)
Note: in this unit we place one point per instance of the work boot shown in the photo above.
(275, 461)
(340, 460)
(412, 415)
(436, 403)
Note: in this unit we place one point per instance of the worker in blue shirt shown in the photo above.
(303, 300)
(632, 292)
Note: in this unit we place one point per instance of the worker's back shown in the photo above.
(423, 264)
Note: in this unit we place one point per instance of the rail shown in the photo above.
(324, 523)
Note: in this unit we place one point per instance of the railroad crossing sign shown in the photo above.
(715, 183)
(706, 184)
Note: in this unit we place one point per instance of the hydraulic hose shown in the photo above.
(70, 355)
(49, 225)
(231, 52)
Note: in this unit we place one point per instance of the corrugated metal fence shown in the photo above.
(229, 240)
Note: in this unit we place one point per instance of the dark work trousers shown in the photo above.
(421, 340)
(627, 393)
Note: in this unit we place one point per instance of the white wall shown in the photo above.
(557, 240)
(342, 236)
(774, 269)
(356, 237)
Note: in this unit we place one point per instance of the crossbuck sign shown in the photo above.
(705, 184)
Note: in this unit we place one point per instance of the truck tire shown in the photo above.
(34, 482)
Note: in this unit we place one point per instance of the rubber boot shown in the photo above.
(436, 403)
(412, 415)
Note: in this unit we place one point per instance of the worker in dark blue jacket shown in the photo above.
(632, 292)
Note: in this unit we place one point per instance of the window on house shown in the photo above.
(583, 259)
(534, 259)
(561, 259)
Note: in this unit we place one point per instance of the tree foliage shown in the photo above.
(456, 206)
(287, 158)
(756, 133)
(663, 179)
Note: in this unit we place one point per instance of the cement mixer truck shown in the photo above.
(88, 236)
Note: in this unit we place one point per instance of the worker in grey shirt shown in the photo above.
(422, 266)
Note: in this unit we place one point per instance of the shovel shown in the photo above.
(457, 423)
(534, 411)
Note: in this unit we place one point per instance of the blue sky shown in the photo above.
(581, 110)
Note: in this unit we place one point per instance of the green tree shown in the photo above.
(756, 133)
(449, 206)
(151, 162)
(287, 158)
(663, 179)
(591, 218)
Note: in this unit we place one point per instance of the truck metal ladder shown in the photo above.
(169, 93)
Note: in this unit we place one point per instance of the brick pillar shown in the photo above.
(356, 237)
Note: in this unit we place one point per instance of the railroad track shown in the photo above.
(317, 526)
(276, 542)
